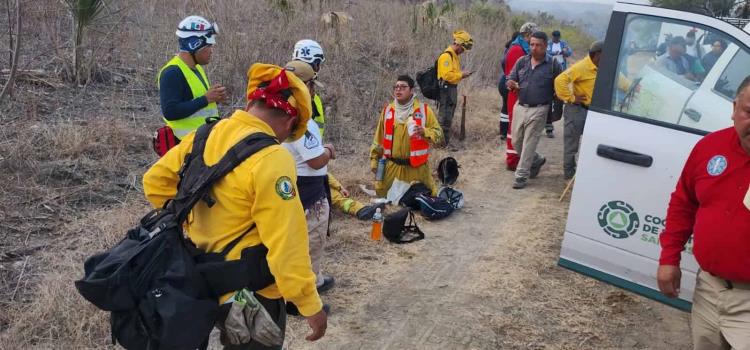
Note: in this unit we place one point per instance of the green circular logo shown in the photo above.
(618, 219)
(285, 188)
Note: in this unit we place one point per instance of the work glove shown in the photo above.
(248, 320)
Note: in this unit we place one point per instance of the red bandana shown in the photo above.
(272, 94)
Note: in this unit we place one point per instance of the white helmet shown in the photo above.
(309, 51)
(197, 26)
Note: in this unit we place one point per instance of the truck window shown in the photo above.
(730, 79)
(661, 65)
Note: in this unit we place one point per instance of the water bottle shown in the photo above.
(380, 173)
(377, 225)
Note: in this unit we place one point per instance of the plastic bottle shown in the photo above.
(377, 225)
(380, 173)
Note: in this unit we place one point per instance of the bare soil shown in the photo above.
(485, 278)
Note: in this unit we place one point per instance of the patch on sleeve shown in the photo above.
(446, 63)
(285, 188)
(311, 141)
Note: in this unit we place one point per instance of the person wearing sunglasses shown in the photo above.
(187, 97)
(407, 129)
(450, 74)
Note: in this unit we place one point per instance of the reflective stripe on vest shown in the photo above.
(319, 119)
(184, 126)
(419, 148)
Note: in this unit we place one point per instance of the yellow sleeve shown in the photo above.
(623, 83)
(333, 183)
(160, 181)
(447, 70)
(564, 85)
(281, 224)
(376, 149)
(432, 131)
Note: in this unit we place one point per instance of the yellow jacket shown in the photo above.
(578, 80)
(432, 132)
(449, 67)
(261, 191)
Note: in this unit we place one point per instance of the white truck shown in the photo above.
(637, 138)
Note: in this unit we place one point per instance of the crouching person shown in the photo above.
(257, 202)
(406, 132)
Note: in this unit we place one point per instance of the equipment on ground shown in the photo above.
(397, 230)
(434, 208)
(448, 171)
(452, 196)
(462, 132)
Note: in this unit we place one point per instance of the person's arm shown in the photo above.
(564, 85)
(446, 70)
(513, 78)
(376, 149)
(334, 183)
(680, 220)
(567, 50)
(280, 219)
(683, 206)
(177, 101)
(160, 181)
(432, 130)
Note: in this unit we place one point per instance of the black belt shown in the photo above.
(400, 161)
(729, 284)
(586, 107)
(532, 105)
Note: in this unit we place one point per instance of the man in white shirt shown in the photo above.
(312, 157)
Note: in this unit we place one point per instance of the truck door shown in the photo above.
(652, 103)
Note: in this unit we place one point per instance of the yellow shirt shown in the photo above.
(578, 80)
(449, 67)
(401, 148)
(253, 193)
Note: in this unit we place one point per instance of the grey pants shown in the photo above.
(527, 125)
(446, 107)
(275, 307)
(575, 119)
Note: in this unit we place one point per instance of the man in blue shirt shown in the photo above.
(187, 97)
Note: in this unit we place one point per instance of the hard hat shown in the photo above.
(199, 27)
(309, 51)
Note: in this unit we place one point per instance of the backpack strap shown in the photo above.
(196, 178)
(411, 228)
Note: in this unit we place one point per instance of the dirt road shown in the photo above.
(486, 278)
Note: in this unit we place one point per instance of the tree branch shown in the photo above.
(16, 53)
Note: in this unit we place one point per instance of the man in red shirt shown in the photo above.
(708, 203)
(518, 48)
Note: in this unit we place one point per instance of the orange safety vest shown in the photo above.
(419, 148)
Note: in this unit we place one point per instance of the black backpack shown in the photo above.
(161, 290)
(428, 81)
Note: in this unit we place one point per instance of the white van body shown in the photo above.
(636, 140)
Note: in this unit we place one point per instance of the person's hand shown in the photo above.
(637, 88)
(419, 130)
(512, 85)
(330, 149)
(344, 192)
(580, 99)
(318, 323)
(216, 93)
(668, 277)
(466, 74)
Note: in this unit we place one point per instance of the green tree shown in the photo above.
(714, 8)
(84, 13)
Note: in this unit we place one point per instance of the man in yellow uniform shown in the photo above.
(449, 73)
(258, 197)
(407, 129)
(575, 87)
